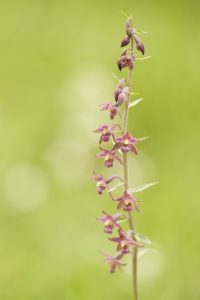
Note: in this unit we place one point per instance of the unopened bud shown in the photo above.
(119, 88)
(125, 41)
(117, 92)
(139, 44)
(140, 47)
(121, 98)
(129, 28)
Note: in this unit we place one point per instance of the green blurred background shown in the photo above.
(56, 60)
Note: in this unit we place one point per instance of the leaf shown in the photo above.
(115, 76)
(144, 58)
(122, 221)
(124, 14)
(142, 251)
(115, 187)
(143, 187)
(143, 239)
(143, 139)
(135, 102)
(135, 93)
(141, 32)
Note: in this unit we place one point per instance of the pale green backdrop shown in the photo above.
(56, 60)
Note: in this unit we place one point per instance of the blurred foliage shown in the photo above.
(56, 61)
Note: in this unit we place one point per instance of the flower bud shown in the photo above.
(129, 28)
(139, 44)
(117, 92)
(125, 41)
(140, 47)
(121, 98)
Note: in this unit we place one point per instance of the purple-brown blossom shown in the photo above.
(126, 143)
(113, 261)
(103, 183)
(111, 108)
(109, 157)
(110, 221)
(126, 60)
(106, 132)
(124, 241)
(127, 202)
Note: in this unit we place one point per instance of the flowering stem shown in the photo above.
(126, 184)
(126, 240)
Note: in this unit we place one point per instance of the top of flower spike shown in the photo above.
(129, 27)
(131, 33)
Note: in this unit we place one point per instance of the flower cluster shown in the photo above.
(131, 34)
(115, 142)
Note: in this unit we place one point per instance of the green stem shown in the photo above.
(126, 184)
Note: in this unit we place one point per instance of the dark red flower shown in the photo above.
(110, 221)
(109, 156)
(113, 261)
(125, 143)
(112, 108)
(106, 132)
(126, 61)
(127, 202)
(124, 241)
(102, 183)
